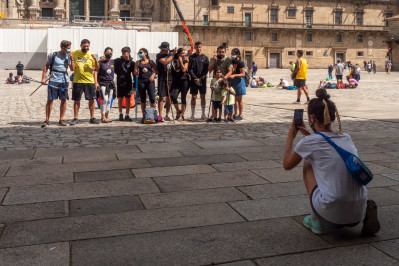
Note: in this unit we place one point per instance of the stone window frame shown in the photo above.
(360, 37)
(340, 39)
(359, 55)
(230, 9)
(271, 37)
(357, 19)
(308, 53)
(292, 51)
(207, 21)
(306, 37)
(249, 33)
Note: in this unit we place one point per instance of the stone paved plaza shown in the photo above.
(186, 193)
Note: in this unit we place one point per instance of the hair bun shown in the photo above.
(322, 94)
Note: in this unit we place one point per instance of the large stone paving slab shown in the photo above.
(384, 196)
(84, 151)
(148, 155)
(254, 165)
(192, 197)
(274, 190)
(116, 224)
(38, 255)
(356, 255)
(205, 181)
(168, 147)
(199, 246)
(77, 167)
(16, 181)
(226, 150)
(105, 205)
(226, 143)
(96, 157)
(34, 211)
(103, 175)
(273, 207)
(173, 170)
(277, 175)
(15, 154)
(70, 191)
(390, 247)
(383, 181)
(192, 160)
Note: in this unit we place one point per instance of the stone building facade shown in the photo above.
(267, 31)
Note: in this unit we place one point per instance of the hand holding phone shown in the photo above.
(298, 117)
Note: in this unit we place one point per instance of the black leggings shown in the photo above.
(179, 86)
(145, 86)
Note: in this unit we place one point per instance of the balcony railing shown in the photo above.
(284, 25)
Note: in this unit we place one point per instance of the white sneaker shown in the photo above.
(192, 118)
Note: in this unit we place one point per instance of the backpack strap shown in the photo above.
(52, 62)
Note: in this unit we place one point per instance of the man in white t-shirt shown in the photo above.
(337, 200)
(283, 84)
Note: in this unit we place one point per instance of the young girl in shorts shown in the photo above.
(216, 97)
(228, 100)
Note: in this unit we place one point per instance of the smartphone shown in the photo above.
(298, 117)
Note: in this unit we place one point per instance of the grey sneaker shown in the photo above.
(94, 121)
(167, 118)
(75, 121)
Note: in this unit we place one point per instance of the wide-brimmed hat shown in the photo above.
(164, 46)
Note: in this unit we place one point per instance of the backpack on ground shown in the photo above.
(150, 115)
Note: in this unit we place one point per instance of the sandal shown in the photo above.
(45, 123)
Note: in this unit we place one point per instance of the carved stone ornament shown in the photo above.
(148, 4)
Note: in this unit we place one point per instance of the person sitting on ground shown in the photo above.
(352, 82)
(283, 84)
(261, 82)
(336, 198)
(216, 97)
(10, 79)
(254, 83)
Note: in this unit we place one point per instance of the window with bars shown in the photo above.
(309, 18)
(248, 36)
(274, 15)
(309, 37)
(359, 38)
(339, 38)
(274, 37)
(206, 20)
(230, 9)
(338, 17)
(292, 12)
(215, 2)
(359, 18)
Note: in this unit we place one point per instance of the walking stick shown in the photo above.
(136, 80)
(38, 88)
(170, 99)
(210, 103)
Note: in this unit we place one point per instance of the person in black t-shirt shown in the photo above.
(124, 68)
(164, 77)
(20, 71)
(146, 71)
(180, 82)
(198, 69)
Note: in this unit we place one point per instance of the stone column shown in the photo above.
(67, 10)
(87, 9)
(137, 12)
(34, 9)
(60, 9)
(114, 12)
(106, 13)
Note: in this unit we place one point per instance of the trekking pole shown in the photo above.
(38, 88)
(210, 103)
(170, 99)
(136, 79)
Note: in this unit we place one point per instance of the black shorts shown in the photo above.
(217, 105)
(19, 73)
(124, 90)
(339, 77)
(194, 88)
(299, 83)
(145, 86)
(164, 87)
(88, 88)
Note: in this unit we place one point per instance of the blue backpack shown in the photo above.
(151, 115)
(360, 172)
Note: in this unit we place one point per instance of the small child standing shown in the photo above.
(216, 97)
(228, 100)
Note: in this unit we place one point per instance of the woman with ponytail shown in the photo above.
(337, 200)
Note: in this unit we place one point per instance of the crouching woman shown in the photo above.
(336, 199)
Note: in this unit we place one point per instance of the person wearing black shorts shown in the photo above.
(146, 71)
(124, 68)
(164, 58)
(180, 82)
(20, 71)
(83, 63)
(198, 69)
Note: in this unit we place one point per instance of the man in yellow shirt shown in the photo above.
(300, 75)
(84, 63)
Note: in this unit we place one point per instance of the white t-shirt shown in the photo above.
(285, 83)
(339, 199)
(253, 83)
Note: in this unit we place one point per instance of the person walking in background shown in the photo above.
(198, 70)
(374, 67)
(104, 78)
(300, 75)
(20, 71)
(254, 69)
(84, 63)
(124, 68)
(330, 70)
(389, 66)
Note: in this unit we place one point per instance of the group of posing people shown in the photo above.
(20, 74)
(177, 72)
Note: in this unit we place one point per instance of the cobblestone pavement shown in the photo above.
(185, 193)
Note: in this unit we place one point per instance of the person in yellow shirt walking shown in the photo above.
(300, 75)
(84, 63)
